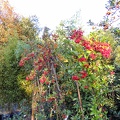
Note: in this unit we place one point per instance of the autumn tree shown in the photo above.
(12, 24)
(7, 19)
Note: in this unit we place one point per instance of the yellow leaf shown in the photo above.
(65, 60)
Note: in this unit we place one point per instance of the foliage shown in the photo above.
(116, 32)
(7, 20)
(14, 30)
(12, 24)
(71, 69)
(10, 91)
(110, 23)
(27, 28)
(64, 75)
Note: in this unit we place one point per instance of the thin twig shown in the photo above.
(54, 72)
(80, 101)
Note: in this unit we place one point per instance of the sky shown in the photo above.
(51, 12)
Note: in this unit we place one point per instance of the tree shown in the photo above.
(16, 32)
(111, 23)
(7, 19)
(68, 67)
(10, 91)
(27, 28)
(11, 24)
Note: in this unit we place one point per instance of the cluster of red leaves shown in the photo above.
(83, 74)
(86, 87)
(31, 76)
(40, 64)
(77, 35)
(86, 44)
(91, 45)
(43, 79)
(112, 72)
(44, 76)
(75, 77)
(93, 56)
(28, 57)
(103, 48)
(82, 59)
(64, 116)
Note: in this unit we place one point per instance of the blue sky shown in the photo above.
(51, 12)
